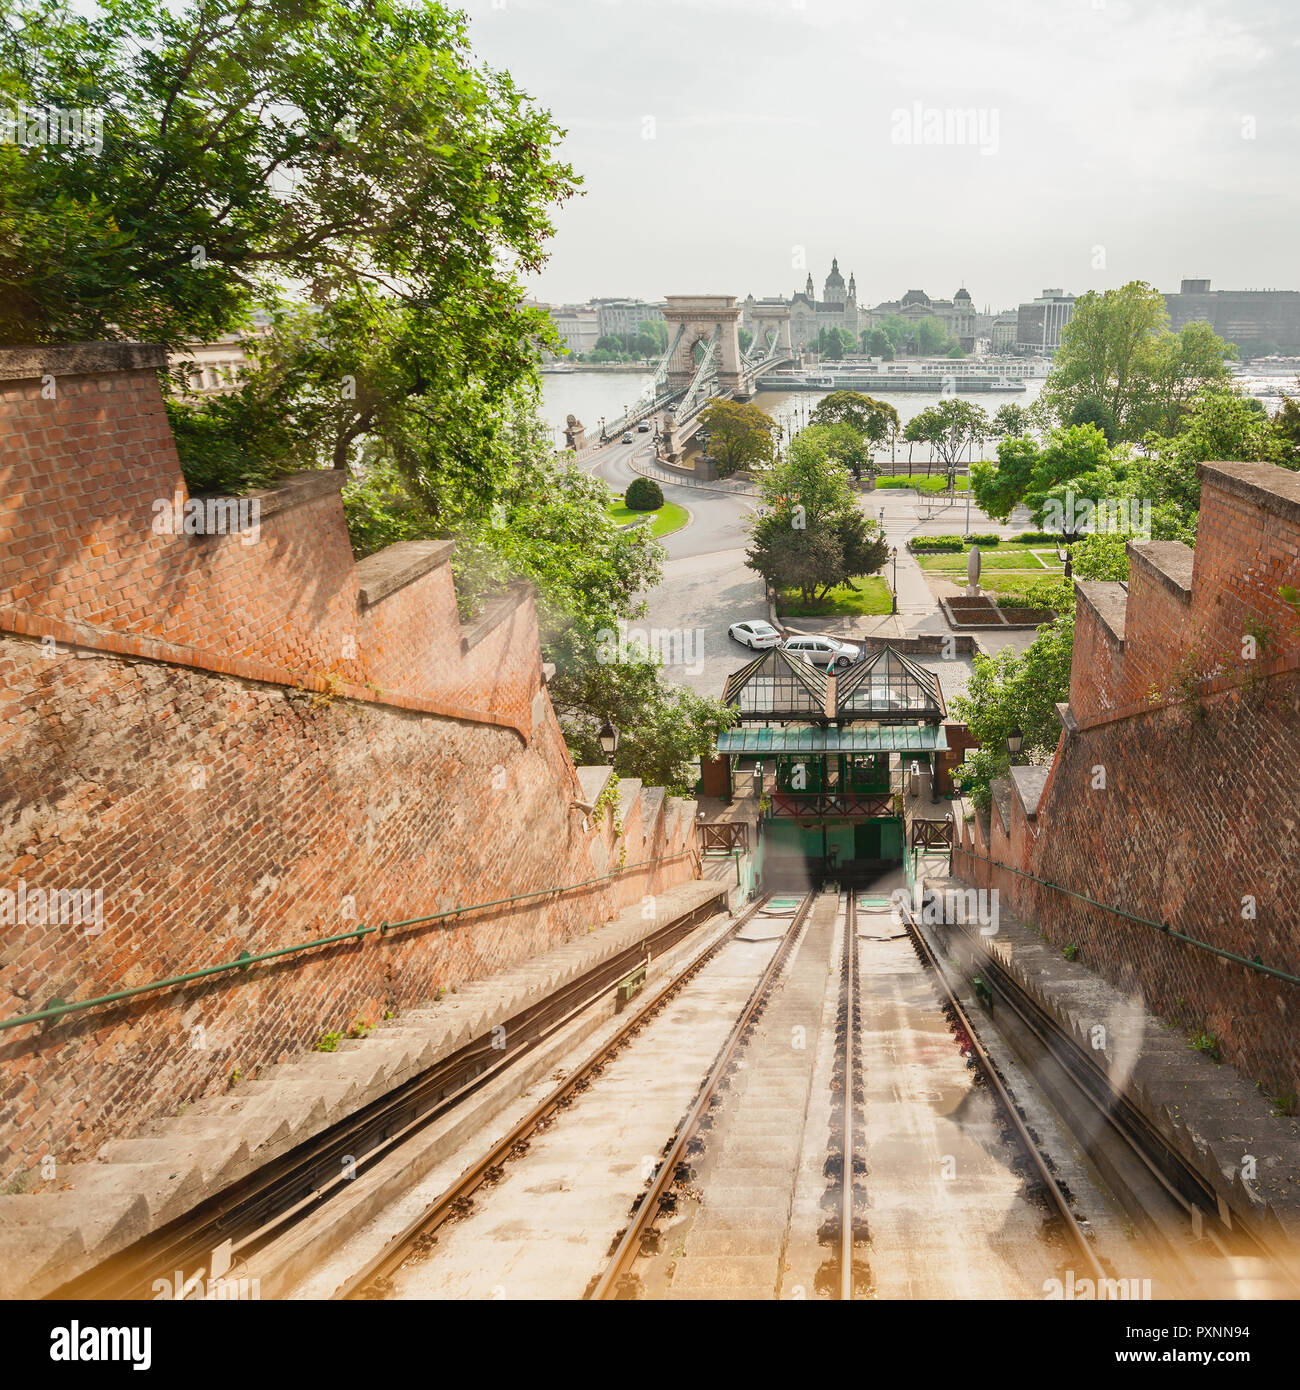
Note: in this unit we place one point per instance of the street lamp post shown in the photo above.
(1015, 742)
(893, 607)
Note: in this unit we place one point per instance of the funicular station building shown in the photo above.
(830, 754)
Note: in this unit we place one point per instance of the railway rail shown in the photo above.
(372, 1278)
(247, 1215)
(1059, 1198)
(611, 1282)
(851, 1024)
(1125, 1132)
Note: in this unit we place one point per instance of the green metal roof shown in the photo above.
(891, 738)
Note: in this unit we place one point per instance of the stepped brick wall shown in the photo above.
(250, 746)
(1174, 790)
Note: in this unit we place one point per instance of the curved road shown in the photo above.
(706, 585)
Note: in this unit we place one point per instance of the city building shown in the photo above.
(957, 315)
(1039, 323)
(615, 316)
(837, 308)
(1256, 320)
(577, 325)
(1002, 335)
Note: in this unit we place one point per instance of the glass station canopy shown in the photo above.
(779, 686)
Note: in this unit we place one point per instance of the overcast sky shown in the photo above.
(1119, 140)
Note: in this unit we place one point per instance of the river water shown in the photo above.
(590, 395)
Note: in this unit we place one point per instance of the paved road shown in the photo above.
(707, 586)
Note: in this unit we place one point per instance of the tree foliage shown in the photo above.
(741, 435)
(250, 144)
(1119, 366)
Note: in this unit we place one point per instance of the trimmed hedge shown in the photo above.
(643, 495)
(1035, 537)
(934, 545)
(938, 545)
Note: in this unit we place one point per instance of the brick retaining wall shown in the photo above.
(246, 747)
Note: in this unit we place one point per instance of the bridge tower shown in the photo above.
(765, 319)
(701, 315)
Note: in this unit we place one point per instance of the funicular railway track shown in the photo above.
(1129, 1150)
(373, 1279)
(248, 1214)
(616, 1280)
(1058, 1196)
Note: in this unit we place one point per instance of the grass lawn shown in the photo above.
(669, 518)
(870, 595)
(935, 483)
(1037, 564)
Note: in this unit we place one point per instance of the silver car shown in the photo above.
(821, 651)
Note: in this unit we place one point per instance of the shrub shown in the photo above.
(934, 545)
(644, 495)
(982, 540)
(1035, 537)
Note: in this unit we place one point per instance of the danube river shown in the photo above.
(591, 395)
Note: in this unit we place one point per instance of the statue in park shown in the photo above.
(973, 572)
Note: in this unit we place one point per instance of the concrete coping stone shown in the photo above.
(1066, 715)
(397, 565)
(1264, 485)
(295, 489)
(1109, 601)
(1029, 783)
(1000, 793)
(1169, 562)
(495, 611)
(1206, 1109)
(78, 359)
(592, 780)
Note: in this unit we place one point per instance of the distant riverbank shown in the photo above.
(554, 369)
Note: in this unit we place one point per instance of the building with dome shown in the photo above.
(837, 308)
(957, 314)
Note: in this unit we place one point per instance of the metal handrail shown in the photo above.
(1165, 928)
(58, 1007)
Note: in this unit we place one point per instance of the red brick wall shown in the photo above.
(169, 760)
(1199, 815)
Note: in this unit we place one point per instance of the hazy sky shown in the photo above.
(1117, 141)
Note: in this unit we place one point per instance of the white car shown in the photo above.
(821, 651)
(756, 634)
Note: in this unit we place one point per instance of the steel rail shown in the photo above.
(1183, 1185)
(1059, 1199)
(250, 1209)
(850, 1039)
(625, 1253)
(448, 1202)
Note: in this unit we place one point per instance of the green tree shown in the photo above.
(868, 417)
(745, 338)
(741, 435)
(931, 336)
(949, 428)
(1074, 458)
(1118, 356)
(657, 329)
(248, 145)
(1010, 420)
(876, 342)
(813, 536)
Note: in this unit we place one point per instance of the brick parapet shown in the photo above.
(245, 747)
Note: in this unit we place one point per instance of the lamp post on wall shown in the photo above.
(608, 740)
(1015, 742)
